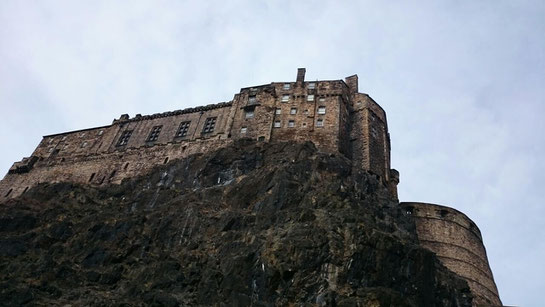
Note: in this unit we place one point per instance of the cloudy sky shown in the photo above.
(462, 83)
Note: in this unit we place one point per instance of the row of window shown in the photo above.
(182, 131)
(293, 111)
(310, 97)
(291, 124)
(311, 86)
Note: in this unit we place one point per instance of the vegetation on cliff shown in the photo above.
(251, 224)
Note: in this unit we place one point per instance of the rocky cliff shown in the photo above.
(252, 224)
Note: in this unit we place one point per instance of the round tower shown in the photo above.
(458, 243)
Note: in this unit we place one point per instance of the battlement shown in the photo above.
(330, 113)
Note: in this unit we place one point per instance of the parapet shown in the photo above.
(458, 243)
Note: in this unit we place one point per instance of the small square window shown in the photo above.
(291, 123)
(321, 110)
(310, 97)
(311, 85)
(278, 111)
(243, 130)
(374, 132)
(277, 124)
(287, 86)
(154, 134)
(322, 99)
(183, 129)
(305, 112)
(320, 123)
(285, 98)
(124, 138)
(209, 125)
(249, 114)
(293, 111)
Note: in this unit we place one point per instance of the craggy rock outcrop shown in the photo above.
(251, 224)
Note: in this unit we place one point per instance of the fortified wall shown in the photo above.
(333, 114)
(458, 243)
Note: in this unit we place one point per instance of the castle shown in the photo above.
(332, 114)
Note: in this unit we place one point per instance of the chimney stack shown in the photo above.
(352, 83)
(301, 75)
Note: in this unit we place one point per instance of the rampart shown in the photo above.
(458, 243)
(333, 114)
(330, 113)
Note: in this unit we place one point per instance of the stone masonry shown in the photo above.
(333, 114)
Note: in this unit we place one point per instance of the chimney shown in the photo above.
(352, 83)
(301, 75)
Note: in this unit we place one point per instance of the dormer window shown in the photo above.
(285, 98)
(287, 86)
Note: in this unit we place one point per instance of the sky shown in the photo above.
(462, 82)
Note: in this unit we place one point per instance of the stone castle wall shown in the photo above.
(330, 113)
(458, 243)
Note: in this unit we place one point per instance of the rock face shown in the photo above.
(250, 224)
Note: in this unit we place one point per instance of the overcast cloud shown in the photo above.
(462, 83)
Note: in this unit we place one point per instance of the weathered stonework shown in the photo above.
(332, 114)
(458, 243)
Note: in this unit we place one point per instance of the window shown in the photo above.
(285, 98)
(321, 110)
(374, 132)
(209, 125)
(310, 97)
(311, 85)
(100, 132)
(249, 114)
(261, 138)
(278, 111)
(124, 138)
(320, 123)
(243, 130)
(183, 129)
(83, 144)
(154, 134)
(287, 86)
(293, 111)
(165, 161)
(252, 100)
(277, 124)
(322, 99)
(305, 112)
(291, 123)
